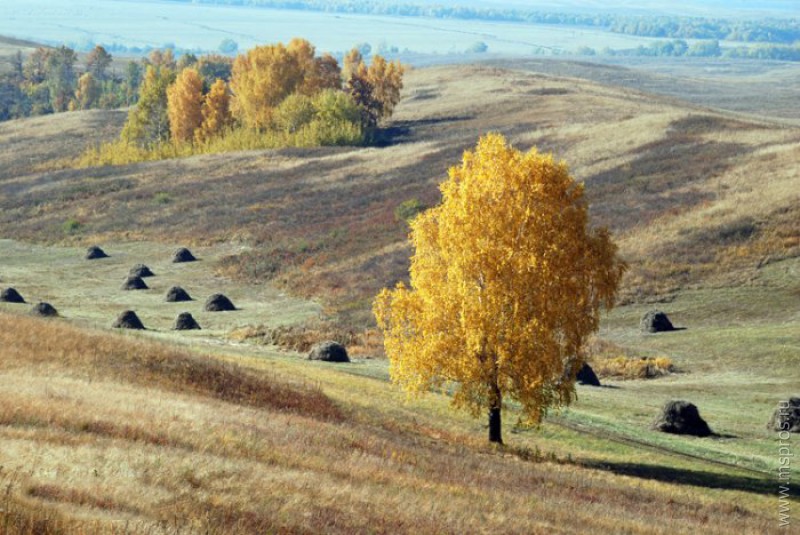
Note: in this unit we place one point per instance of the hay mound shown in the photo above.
(177, 294)
(134, 283)
(655, 321)
(183, 255)
(185, 322)
(586, 376)
(140, 270)
(786, 417)
(94, 252)
(682, 418)
(10, 295)
(219, 303)
(329, 352)
(128, 320)
(44, 309)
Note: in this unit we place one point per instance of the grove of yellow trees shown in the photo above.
(276, 95)
(507, 281)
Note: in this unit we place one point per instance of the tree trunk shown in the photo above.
(495, 429)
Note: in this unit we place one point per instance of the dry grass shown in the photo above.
(104, 433)
(674, 182)
(300, 338)
(610, 360)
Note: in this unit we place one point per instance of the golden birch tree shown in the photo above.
(386, 79)
(260, 80)
(507, 281)
(148, 122)
(88, 92)
(216, 112)
(184, 103)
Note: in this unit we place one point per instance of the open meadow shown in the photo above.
(217, 431)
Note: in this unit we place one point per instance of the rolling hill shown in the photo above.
(704, 202)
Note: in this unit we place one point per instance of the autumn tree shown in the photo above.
(215, 111)
(386, 78)
(97, 62)
(260, 80)
(362, 92)
(163, 59)
(35, 67)
(507, 280)
(375, 88)
(316, 74)
(133, 79)
(148, 122)
(352, 61)
(61, 78)
(87, 94)
(326, 74)
(212, 67)
(184, 103)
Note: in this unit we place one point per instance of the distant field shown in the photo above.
(201, 26)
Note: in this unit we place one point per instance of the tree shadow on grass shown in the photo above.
(414, 130)
(697, 478)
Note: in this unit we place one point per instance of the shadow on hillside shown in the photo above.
(403, 131)
(696, 478)
(667, 174)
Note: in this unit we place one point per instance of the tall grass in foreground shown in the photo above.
(108, 433)
(28, 343)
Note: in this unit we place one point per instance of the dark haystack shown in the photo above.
(682, 418)
(185, 322)
(134, 283)
(586, 376)
(10, 295)
(329, 352)
(95, 252)
(128, 320)
(656, 321)
(177, 294)
(183, 255)
(219, 303)
(140, 270)
(786, 417)
(44, 309)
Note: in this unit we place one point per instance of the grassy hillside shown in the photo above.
(161, 430)
(104, 431)
(675, 182)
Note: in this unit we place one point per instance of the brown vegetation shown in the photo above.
(676, 183)
(101, 431)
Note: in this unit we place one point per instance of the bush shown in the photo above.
(71, 226)
(408, 210)
(633, 368)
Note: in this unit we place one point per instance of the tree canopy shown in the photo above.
(507, 281)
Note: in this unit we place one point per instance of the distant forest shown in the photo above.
(780, 31)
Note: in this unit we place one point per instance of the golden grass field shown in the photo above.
(105, 432)
(214, 432)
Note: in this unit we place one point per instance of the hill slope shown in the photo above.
(107, 431)
(704, 204)
(694, 196)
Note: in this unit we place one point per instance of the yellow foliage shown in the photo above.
(260, 80)
(352, 61)
(216, 112)
(507, 280)
(88, 92)
(184, 103)
(632, 368)
(386, 79)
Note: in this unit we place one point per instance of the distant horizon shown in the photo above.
(129, 27)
